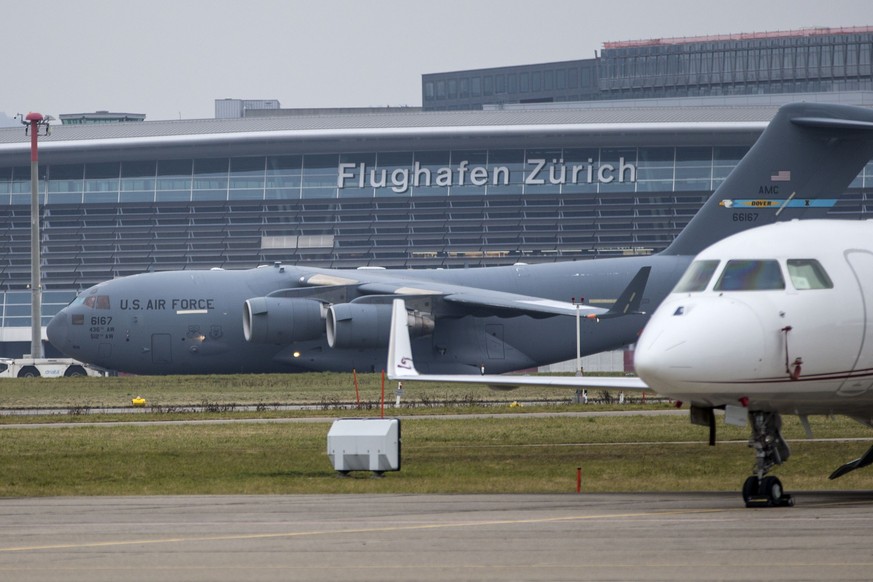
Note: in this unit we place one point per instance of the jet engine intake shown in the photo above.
(368, 325)
(282, 320)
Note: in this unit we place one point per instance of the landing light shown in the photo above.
(296, 354)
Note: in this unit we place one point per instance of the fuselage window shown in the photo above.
(696, 277)
(751, 275)
(808, 274)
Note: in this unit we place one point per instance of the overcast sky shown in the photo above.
(171, 59)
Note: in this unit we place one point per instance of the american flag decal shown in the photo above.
(781, 176)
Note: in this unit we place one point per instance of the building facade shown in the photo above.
(799, 61)
(576, 80)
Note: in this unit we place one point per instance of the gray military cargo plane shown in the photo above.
(293, 318)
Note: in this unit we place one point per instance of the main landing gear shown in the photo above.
(771, 449)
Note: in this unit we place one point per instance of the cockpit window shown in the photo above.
(808, 274)
(750, 275)
(696, 277)
(92, 301)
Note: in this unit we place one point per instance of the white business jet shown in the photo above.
(775, 320)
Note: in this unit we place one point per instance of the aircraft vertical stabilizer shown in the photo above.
(798, 168)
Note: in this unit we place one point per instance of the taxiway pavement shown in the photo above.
(670, 536)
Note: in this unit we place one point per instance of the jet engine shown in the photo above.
(368, 325)
(282, 320)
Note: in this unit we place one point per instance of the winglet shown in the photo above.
(631, 298)
(400, 363)
(400, 366)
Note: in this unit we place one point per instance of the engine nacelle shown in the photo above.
(282, 320)
(368, 325)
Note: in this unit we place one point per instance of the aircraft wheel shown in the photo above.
(771, 488)
(767, 492)
(28, 372)
(750, 488)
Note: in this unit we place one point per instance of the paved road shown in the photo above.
(827, 536)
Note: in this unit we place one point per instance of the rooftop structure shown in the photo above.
(809, 60)
(236, 108)
(741, 36)
(99, 117)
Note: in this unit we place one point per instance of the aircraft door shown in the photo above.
(861, 263)
(494, 346)
(162, 352)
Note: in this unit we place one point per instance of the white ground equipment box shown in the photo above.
(364, 444)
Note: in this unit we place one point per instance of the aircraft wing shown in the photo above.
(510, 304)
(470, 300)
(401, 367)
(626, 304)
(483, 301)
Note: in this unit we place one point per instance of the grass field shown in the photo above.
(504, 454)
(265, 389)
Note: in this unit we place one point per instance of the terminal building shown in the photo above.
(401, 188)
(811, 60)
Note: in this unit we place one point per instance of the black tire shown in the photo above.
(750, 488)
(771, 487)
(28, 372)
(75, 372)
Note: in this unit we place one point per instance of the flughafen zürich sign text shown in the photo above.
(536, 172)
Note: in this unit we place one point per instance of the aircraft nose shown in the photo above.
(691, 342)
(57, 329)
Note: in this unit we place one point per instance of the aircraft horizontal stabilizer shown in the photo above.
(402, 367)
(831, 123)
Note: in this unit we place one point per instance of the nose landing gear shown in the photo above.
(765, 492)
(771, 449)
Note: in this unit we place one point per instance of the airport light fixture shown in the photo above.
(33, 122)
